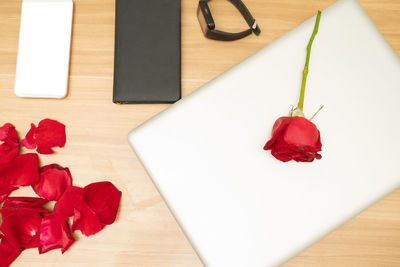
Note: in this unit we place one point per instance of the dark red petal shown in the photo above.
(65, 205)
(48, 134)
(285, 152)
(6, 211)
(54, 233)
(281, 150)
(22, 171)
(281, 156)
(27, 202)
(86, 220)
(9, 149)
(8, 253)
(103, 198)
(8, 153)
(29, 141)
(318, 145)
(5, 190)
(53, 180)
(8, 131)
(21, 228)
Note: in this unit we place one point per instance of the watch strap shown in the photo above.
(246, 15)
(227, 36)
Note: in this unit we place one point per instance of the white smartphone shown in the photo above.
(44, 48)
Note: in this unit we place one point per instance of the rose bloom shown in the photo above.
(294, 138)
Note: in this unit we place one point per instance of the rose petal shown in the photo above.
(53, 180)
(29, 141)
(8, 253)
(6, 211)
(103, 198)
(278, 128)
(48, 134)
(65, 205)
(86, 220)
(27, 202)
(98, 207)
(8, 131)
(21, 227)
(22, 171)
(5, 190)
(54, 233)
(301, 132)
(8, 153)
(9, 149)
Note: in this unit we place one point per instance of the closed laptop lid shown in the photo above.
(237, 204)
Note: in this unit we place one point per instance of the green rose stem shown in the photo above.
(305, 70)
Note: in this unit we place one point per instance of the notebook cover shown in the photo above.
(147, 66)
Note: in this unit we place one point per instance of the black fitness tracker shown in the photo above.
(208, 26)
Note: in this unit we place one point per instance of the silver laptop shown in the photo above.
(237, 204)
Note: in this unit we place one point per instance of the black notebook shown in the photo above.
(147, 63)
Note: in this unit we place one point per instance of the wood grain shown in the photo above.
(145, 233)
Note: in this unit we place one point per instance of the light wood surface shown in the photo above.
(145, 233)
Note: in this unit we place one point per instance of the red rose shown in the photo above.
(294, 138)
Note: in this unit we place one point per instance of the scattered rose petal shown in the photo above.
(86, 220)
(21, 227)
(8, 153)
(8, 253)
(36, 210)
(22, 171)
(103, 198)
(25, 223)
(29, 141)
(53, 180)
(48, 134)
(24, 203)
(27, 202)
(98, 207)
(8, 133)
(9, 149)
(32, 204)
(54, 233)
(65, 205)
(5, 190)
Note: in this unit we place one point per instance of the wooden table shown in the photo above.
(145, 233)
